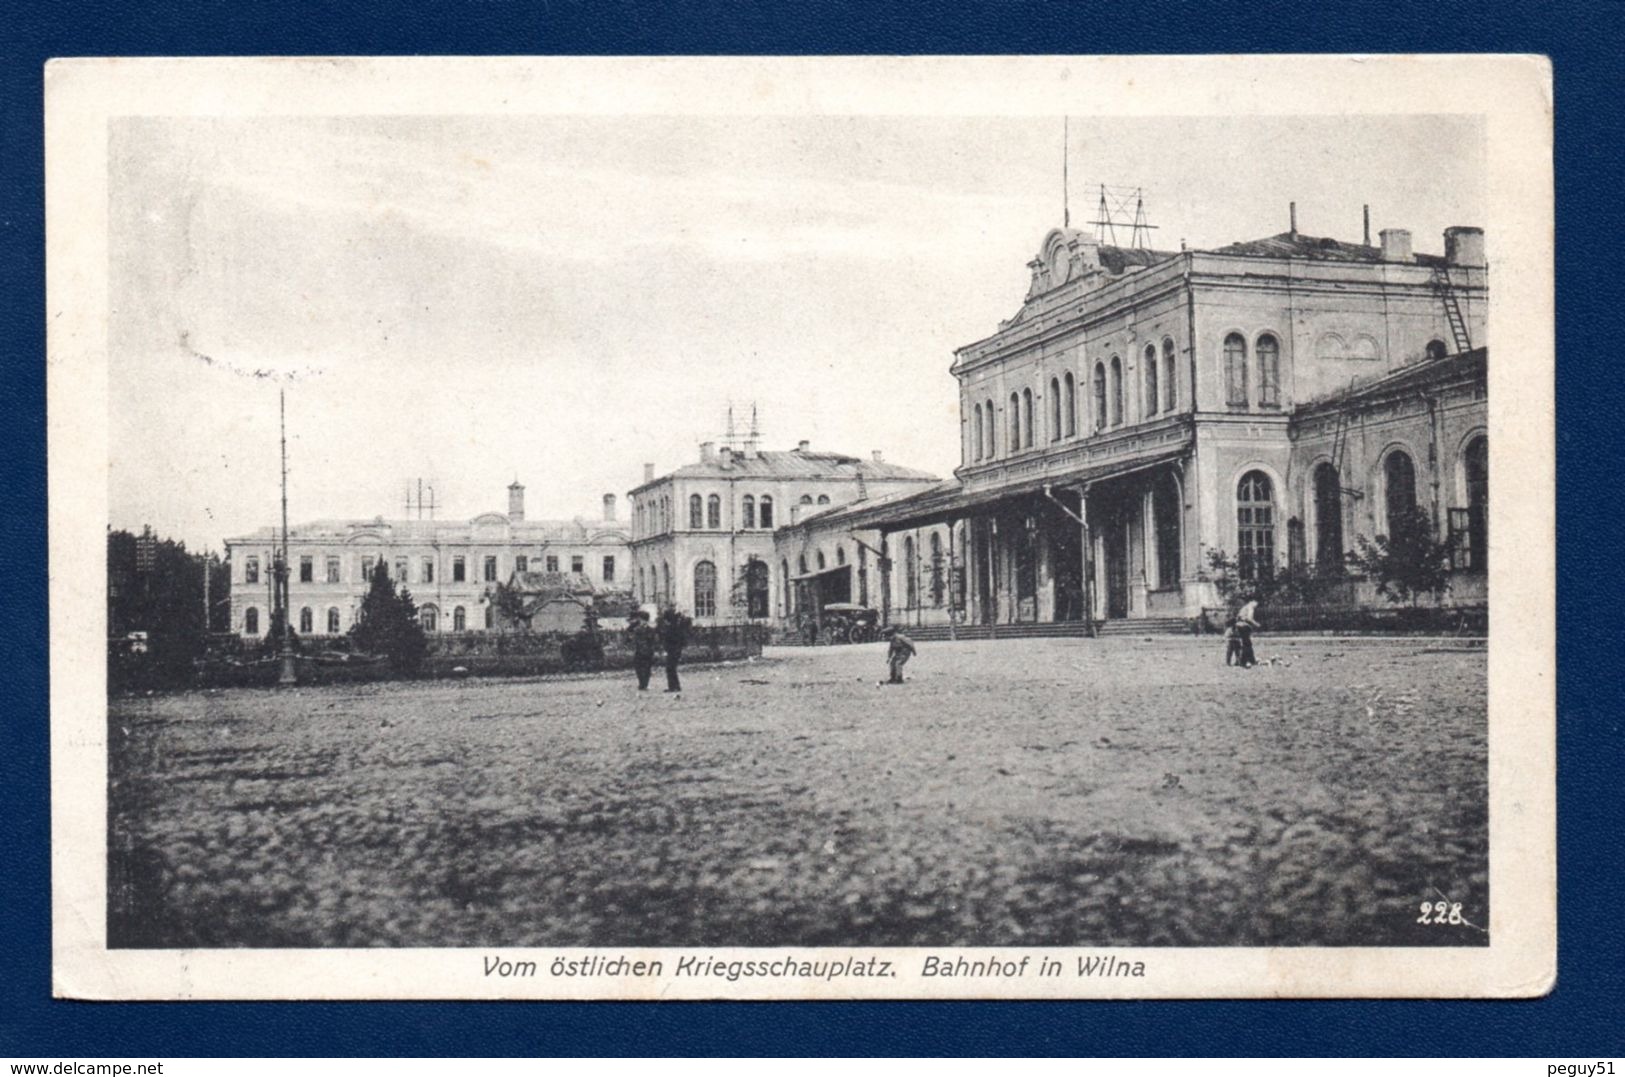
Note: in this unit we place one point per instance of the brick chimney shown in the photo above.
(1464, 247)
(708, 452)
(516, 502)
(803, 446)
(725, 456)
(879, 459)
(609, 508)
(1396, 245)
(648, 473)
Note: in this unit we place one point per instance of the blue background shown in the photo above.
(1582, 1018)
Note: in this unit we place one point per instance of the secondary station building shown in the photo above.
(1143, 410)
(451, 567)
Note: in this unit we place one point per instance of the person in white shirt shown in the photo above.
(1246, 621)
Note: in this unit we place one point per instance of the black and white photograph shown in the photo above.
(814, 529)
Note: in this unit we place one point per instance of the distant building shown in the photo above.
(703, 535)
(1267, 400)
(451, 567)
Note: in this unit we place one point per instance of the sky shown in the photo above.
(471, 300)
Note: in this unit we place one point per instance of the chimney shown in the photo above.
(1464, 247)
(1396, 245)
(516, 502)
(648, 473)
(708, 452)
(1367, 210)
(609, 508)
(879, 459)
(803, 446)
(1292, 219)
(725, 456)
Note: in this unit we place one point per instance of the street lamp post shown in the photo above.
(290, 673)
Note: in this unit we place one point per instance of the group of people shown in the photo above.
(669, 634)
(1238, 635)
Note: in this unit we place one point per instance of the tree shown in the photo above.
(511, 606)
(1408, 562)
(388, 623)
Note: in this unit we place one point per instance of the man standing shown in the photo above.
(898, 652)
(642, 634)
(1246, 621)
(674, 628)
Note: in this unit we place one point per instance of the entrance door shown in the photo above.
(1116, 543)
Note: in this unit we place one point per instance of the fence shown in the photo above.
(1363, 620)
(230, 661)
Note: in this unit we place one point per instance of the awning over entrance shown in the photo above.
(822, 573)
(941, 504)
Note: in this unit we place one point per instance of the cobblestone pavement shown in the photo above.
(1019, 792)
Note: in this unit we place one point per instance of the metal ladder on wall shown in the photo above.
(1452, 309)
(1340, 444)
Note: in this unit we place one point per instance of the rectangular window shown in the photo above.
(552, 562)
(251, 570)
(366, 569)
(521, 563)
(332, 570)
(578, 564)
(428, 570)
(490, 570)
(459, 570)
(609, 570)
(307, 569)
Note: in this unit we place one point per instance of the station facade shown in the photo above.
(1265, 402)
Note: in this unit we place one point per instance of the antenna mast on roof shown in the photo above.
(1123, 207)
(1066, 186)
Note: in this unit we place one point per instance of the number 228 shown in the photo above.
(1440, 912)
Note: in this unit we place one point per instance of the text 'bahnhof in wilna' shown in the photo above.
(1141, 412)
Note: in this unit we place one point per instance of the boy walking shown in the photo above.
(643, 647)
(674, 628)
(898, 652)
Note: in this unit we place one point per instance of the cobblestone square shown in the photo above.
(1018, 792)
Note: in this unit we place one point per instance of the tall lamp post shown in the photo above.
(290, 672)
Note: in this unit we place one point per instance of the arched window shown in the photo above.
(429, 617)
(713, 512)
(1328, 518)
(1255, 527)
(332, 620)
(1436, 349)
(459, 619)
(756, 588)
(1071, 405)
(1015, 422)
(1027, 417)
(911, 575)
(819, 556)
(1100, 397)
(307, 621)
(696, 512)
(1269, 371)
(840, 555)
(490, 616)
(806, 499)
(1152, 399)
(801, 563)
(1235, 370)
(976, 436)
(1170, 376)
(1398, 486)
(251, 621)
(785, 608)
(1476, 470)
(937, 578)
(1117, 391)
(823, 499)
(765, 513)
(748, 510)
(1166, 518)
(992, 440)
(665, 583)
(1055, 409)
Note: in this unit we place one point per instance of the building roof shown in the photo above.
(795, 464)
(854, 510)
(552, 584)
(1314, 248)
(1461, 366)
(579, 530)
